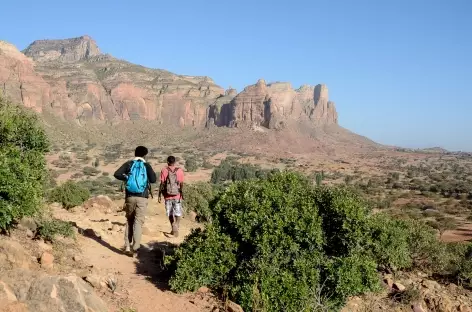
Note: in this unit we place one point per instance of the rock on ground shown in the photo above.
(13, 255)
(51, 293)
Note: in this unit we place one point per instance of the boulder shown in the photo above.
(233, 307)
(6, 294)
(94, 280)
(47, 260)
(28, 223)
(50, 293)
(417, 308)
(399, 287)
(100, 203)
(13, 256)
(192, 215)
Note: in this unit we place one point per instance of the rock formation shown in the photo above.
(272, 105)
(75, 81)
(67, 50)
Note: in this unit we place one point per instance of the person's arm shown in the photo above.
(151, 174)
(181, 179)
(161, 186)
(122, 172)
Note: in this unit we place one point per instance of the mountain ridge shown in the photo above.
(75, 81)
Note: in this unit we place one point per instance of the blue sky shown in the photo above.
(399, 71)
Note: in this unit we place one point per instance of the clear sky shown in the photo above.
(399, 71)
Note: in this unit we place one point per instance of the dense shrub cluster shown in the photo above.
(23, 172)
(280, 244)
(69, 194)
(231, 170)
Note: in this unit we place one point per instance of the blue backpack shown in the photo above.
(137, 178)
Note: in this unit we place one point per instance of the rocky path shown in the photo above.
(139, 284)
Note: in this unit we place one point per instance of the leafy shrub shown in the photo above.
(390, 245)
(197, 198)
(69, 194)
(23, 173)
(191, 164)
(273, 242)
(205, 258)
(50, 229)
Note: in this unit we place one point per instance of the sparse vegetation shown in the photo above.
(102, 185)
(90, 171)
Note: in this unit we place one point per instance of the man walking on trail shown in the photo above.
(172, 181)
(138, 176)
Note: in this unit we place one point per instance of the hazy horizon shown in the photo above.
(398, 72)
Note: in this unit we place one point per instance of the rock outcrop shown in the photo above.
(273, 105)
(40, 292)
(75, 81)
(67, 50)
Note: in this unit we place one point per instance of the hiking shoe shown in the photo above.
(128, 251)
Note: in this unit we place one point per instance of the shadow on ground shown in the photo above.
(151, 263)
(90, 233)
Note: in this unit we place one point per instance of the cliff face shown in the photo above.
(74, 80)
(274, 104)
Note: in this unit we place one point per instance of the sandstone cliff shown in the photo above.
(272, 105)
(75, 81)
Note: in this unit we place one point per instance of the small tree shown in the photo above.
(96, 163)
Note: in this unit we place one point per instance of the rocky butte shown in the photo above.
(77, 82)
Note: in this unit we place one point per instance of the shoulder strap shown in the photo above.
(173, 171)
(130, 165)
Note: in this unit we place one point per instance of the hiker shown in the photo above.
(138, 176)
(172, 181)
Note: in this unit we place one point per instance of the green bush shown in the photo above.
(23, 173)
(197, 198)
(272, 242)
(230, 170)
(390, 242)
(69, 194)
(191, 164)
(50, 229)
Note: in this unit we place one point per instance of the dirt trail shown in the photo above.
(139, 285)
